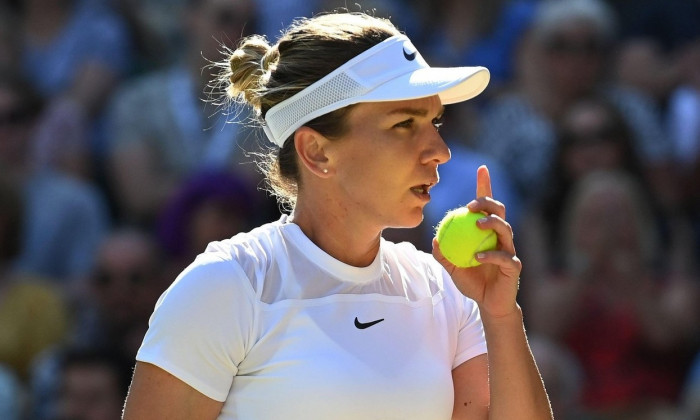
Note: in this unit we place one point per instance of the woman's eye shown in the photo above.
(438, 122)
(405, 124)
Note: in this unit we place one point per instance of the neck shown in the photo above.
(337, 231)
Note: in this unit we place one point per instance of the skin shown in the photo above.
(384, 138)
(345, 183)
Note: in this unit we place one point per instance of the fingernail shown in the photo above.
(480, 255)
(472, 204)
(482, 220)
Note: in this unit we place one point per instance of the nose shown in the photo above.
(436, 150)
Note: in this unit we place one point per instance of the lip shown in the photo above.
(422, 191)
(422, 196)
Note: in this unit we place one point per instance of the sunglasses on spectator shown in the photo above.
(563, 46)
(133, 277)
(603, 134)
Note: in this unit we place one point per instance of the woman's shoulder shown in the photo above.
(257, 244)
(245, 256)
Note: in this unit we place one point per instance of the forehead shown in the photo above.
(588, 115)
(428, 107)
(576, 29)
(125, 251)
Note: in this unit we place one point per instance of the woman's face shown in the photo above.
(593, 144)
(387, 161)
(574, 57)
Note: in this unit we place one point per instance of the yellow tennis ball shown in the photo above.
(459, 237)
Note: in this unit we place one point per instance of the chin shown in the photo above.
(408, 220)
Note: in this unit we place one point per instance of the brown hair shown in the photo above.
(263, 75)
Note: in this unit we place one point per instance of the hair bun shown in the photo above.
(248, 66)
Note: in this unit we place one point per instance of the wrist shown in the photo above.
(508, 317)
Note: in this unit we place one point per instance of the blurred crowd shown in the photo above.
(118, 165)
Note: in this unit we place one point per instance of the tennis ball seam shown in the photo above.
(443, 226)
(474, 261)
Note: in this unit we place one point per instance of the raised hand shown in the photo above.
(494, 284)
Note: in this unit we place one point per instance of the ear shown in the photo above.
(311, 148)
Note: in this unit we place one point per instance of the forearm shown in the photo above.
(517, 390)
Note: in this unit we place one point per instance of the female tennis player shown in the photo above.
(315, 316)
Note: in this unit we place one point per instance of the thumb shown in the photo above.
(441, 258)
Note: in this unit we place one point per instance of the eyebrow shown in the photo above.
(416, 112)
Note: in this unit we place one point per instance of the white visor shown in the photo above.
(392, 70)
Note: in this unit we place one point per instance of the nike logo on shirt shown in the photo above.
(363, 325)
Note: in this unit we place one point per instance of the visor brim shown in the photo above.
(452, 84)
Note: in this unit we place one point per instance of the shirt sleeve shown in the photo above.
(471, 340)
(202, 325)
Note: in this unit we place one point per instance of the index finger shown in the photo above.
(483, 182)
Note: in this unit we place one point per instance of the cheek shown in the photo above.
(574, 72)
(368, 166)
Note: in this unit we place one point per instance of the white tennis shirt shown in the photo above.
(278, 329)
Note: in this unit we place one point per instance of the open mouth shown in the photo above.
(423, 189)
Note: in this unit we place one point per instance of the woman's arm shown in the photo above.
(515, 386)
(156, 394)
(471, 384)
(515, 383)
(509, 373)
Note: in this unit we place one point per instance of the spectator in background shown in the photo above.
(74, 52)
(93, 385)
(564, 58)
(611, 308)
(479, 33)
(660, 54)
(127, 279)
(592, 135)
(209, 206)
(655, 37)
(160, 128)
(156, 29)
(113, 312)
(33, 315)
(64, 218)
